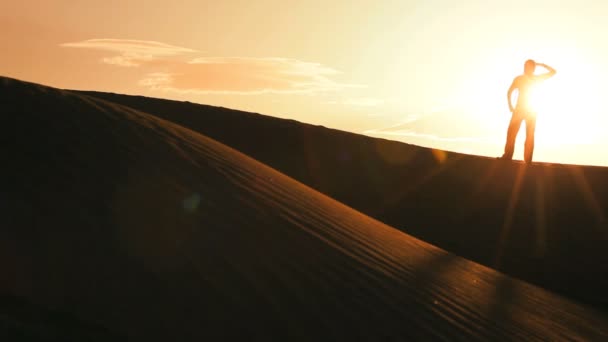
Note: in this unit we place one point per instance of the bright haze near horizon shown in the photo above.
(433, 73)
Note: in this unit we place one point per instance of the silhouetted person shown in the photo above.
(523, 111)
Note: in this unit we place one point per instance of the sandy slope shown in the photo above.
(23, 321)
(551, 230)
(158, 233)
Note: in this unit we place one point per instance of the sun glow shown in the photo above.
(567, 107)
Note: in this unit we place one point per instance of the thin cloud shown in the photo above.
(126, 60)
(132, 53)
(362, 102)
(418, 127)
(387, 130)
(168, 70)
(244, 75)
(144, 47)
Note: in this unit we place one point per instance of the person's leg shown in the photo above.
(529, 145)
(514, 126)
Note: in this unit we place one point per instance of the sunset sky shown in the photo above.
(432, 73)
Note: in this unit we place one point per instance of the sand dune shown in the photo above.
(155, 232)
(551, 230)
(23, 321)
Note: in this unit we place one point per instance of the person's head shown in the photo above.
(529, 67)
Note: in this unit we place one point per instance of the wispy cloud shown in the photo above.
(132, 53)
(134, 46)
(415, 126)
(394, 127)
(363, 102)
(176, 69)
(244, 75)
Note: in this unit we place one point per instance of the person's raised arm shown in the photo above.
(549, 74)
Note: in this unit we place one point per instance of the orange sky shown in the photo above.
(433, 73)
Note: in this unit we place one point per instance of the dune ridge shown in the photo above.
(156, 232)
(546, 224)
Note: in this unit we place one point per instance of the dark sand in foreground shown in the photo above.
(154, 232)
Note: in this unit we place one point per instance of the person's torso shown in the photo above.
(525, 86)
